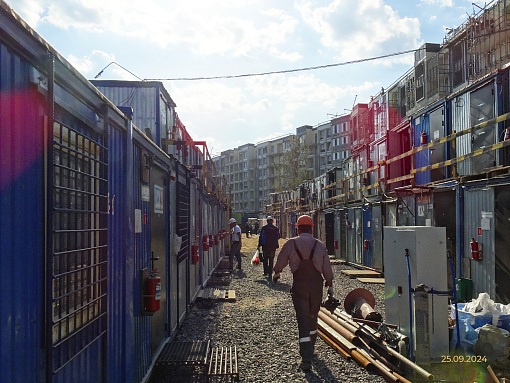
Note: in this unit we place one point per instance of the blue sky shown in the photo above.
(163, 39)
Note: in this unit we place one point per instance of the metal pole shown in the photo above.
(457, 344)
(410, 295)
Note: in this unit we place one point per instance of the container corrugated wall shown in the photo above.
(143, 356)
(460, 121)
(421, 125)
(121, 335)
(479, 219)
(142, 99)
(21, 239)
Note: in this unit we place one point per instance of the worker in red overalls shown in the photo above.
(309, 263)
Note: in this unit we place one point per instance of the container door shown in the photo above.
(436, 128)
(158, 220)
(367, 236)
(358, 217)
(330, 232)
(482, 110)
(182, 230)
(502, 243)
(377, 240)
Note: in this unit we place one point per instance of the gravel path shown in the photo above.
(262, 324)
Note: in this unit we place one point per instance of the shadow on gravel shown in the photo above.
(239, 274)
(285, 287)
(320, 373)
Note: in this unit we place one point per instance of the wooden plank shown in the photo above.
(217, 294)
(230, 295)
(361, 273)
(371, 280)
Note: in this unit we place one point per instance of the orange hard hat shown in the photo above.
(304, 220)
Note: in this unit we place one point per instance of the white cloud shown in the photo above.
(30, 10)
(220, 28)
(361, 28)
(83, 65)
(261, 107)
(439, 3)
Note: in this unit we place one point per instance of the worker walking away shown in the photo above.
(235, 244)
(268, 240)
(309, 263)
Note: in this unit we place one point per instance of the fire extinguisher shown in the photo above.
(336, 245)
(423, 138)
(194, 253)
(366, 244)
(153, 292)
(211, 241)
(507, 134)
(216, 239)
(476, 253)
(205, 242)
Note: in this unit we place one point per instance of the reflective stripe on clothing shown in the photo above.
(306, 296)
(305, 242)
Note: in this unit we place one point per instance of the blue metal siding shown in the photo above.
(121, 332)
(421, 125)
(142, 335)
(90, 359)
(144, 101)
(21, 219)
(367, 235)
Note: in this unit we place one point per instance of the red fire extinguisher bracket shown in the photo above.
(476, 250)
(152, 294)
(194, 254)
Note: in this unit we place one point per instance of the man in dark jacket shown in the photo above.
(309, 262)
(268, 240)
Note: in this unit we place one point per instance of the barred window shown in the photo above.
(79, 257)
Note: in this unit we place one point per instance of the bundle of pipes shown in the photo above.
(366, 346)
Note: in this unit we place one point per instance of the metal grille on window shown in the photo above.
(78, 260)
(183, 203)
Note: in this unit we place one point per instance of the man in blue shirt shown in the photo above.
(268, 240)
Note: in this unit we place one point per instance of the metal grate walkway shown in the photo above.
(184, 353)
(215, 364)
(223, 363)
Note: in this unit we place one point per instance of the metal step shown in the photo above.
(223, 363)
(184, 353)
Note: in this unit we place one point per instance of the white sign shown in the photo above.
(158, 199)
(146, 193)
(138, 221)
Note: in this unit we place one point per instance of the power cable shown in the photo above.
(282, 71)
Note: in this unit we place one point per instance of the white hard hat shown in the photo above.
(232, 220)
(269, 218)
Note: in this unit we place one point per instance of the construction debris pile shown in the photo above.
(377, 350)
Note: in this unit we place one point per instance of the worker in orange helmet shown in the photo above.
(309, 263)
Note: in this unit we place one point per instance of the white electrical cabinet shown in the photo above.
(428, 264)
